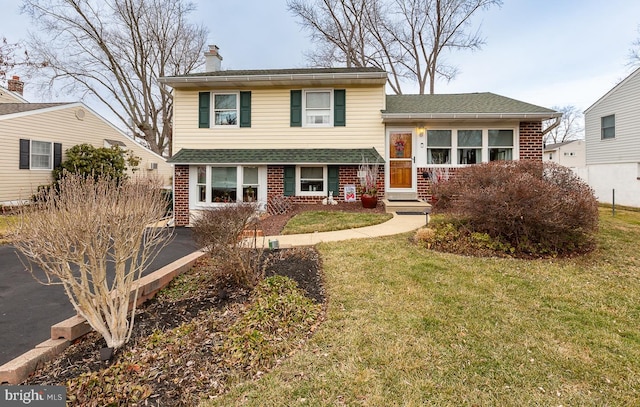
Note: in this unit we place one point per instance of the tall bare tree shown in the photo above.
(634, 52)
(571, 126)
(407, 38)
(115, 51)
(9, 58)
(80, 228)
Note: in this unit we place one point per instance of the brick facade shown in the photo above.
(531, 141)
(181, 195)
(530, 149)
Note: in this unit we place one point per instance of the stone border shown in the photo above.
(63, 333)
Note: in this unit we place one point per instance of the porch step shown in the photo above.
(416, 205)
(401, 196)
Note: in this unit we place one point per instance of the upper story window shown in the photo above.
(225, 109)
(608, 127)
(318, 108)
(469, 146)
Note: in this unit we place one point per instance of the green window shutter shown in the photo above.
(57, 154)
(24, 154)
(204, 109)
(339, 107)
(245, 109)
(333, 177)
(289, 180)
(296, 108)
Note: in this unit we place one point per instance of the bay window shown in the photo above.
(227, 184)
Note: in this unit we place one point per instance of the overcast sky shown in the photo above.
(545, 52)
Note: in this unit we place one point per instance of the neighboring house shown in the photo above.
(612, 135)
(254, 134)
(570, 153)
(35, 137)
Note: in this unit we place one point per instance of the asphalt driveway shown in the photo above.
(28, 308)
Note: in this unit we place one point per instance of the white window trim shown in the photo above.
(325, 181)
(213, 110)
(304, 108)
(31, 167)
(485, 144)
(195, 203)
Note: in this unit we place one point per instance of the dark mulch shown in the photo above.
(272, 225)
(181, 384)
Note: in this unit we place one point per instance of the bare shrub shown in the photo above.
(535, 207)
(81, 230)
(220, 231)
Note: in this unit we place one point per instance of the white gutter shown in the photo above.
(454, 116)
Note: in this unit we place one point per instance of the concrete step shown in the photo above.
(417, 205)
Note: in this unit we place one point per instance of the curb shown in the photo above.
(63, 333)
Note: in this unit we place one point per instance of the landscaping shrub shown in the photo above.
(535, 207)
(219, 231)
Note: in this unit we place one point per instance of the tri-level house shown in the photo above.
(254, 134)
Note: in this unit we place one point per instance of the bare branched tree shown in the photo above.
(115, 51)
(407, 38)
(9, 58)
(95, 237)
(634, 52)
(571, 125)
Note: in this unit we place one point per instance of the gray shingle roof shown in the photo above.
(463, 104)
(293, 71)
(276, 156)
(10, 108)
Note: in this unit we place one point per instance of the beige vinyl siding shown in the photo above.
(624, 102)
(270, 126)
(8, 97)
(59, 125)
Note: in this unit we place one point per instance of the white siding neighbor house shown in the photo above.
(301, 133)
(612, 133)
(570, 153)
(35, 137)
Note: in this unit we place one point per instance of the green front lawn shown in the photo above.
(6, 223)
(325, 221)
(408, 326)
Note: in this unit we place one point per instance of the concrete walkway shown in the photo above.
(394, 226)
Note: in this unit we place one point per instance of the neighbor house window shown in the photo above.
(500, 145)
(317, 108)
(312, 180)
(469, 146)
(225, 109)
(439, 146)
(608, 127)
(41, 155)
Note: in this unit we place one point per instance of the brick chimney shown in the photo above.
(15, 85)
(213, 60)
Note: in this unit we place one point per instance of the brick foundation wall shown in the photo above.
(424, 183)
(181, 195)
(531, 141)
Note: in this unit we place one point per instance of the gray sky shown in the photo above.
(546, 52)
